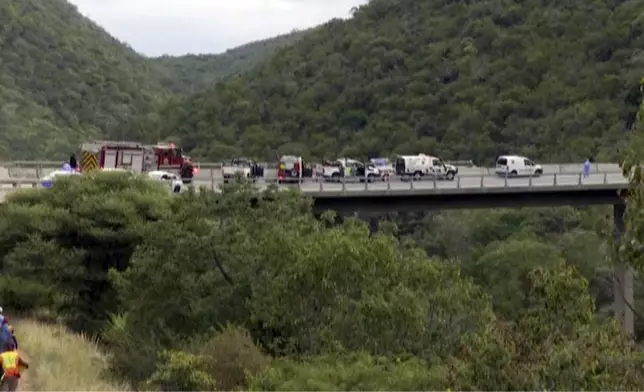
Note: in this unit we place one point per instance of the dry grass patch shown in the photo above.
(61, 360)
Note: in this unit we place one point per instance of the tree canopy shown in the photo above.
(248, 289)
(63, 79)
(196, 72)
(466, 80)
(241, 289)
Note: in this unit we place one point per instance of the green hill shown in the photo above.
(555, 80)
(193, 73)
(64, 79)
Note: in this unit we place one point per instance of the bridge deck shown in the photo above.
(471, 191)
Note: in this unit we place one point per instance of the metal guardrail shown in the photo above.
(212, 170)
(461, 184)
(274, 165)
(58, 164)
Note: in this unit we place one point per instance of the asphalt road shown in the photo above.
(208, 174)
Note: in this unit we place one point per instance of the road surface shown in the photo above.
(7, 172)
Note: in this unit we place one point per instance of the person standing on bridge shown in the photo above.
(587, 168)
(11, 362)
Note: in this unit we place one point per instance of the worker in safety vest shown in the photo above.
(11, 362)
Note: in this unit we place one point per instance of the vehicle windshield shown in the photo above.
(241, 162)
(289, 159)
(380, 161)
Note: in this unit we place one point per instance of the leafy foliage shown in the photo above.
(245, 290)
(196, 72)
(466, 80)
(63, 80)
(67, 239)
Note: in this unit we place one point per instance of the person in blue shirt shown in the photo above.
(587, 168)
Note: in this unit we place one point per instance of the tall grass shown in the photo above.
(60, 360)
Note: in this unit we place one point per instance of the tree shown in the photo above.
(556, 343)
(470, 81)
(66, 239)
(300, 286)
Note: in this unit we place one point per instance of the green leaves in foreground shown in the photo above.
(245, 290)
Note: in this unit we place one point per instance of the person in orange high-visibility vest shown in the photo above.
(11, 362)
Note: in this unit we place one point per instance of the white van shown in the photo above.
(516, 165)
(421, 165)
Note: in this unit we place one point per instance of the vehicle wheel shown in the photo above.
(164, 177)
(371, 178)
(538, 172)
(335, 177)
(418, 176)
(450, 176)
(513, 173)
(177, 189)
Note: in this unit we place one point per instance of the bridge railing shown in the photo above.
(461, 184)
(209, 170)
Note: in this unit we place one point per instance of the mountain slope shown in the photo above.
(555, 80)
(193, 73)
(64, 79)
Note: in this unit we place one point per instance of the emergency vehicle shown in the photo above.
(292, 169)
(134, 156)
(421, 165)
(242, 167)
(349, 169)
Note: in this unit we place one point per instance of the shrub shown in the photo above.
(353, 372)
(219, 362)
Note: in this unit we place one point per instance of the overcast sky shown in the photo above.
(156, 27)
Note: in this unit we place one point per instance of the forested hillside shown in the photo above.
(194, 73)
(554, 80)
(64, 79)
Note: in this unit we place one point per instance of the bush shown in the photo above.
(354, 372)
(221, 362)
(181, 371)
(22, 296)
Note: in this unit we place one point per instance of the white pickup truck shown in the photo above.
(349, 170)
(241, 167)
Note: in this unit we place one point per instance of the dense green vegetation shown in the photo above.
(553, 80)
(63, 80)
(222, 291)
(466, 80)
(211, 291)
(192, 73)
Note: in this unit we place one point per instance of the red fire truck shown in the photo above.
(134, 156)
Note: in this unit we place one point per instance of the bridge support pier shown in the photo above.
(622, 279)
